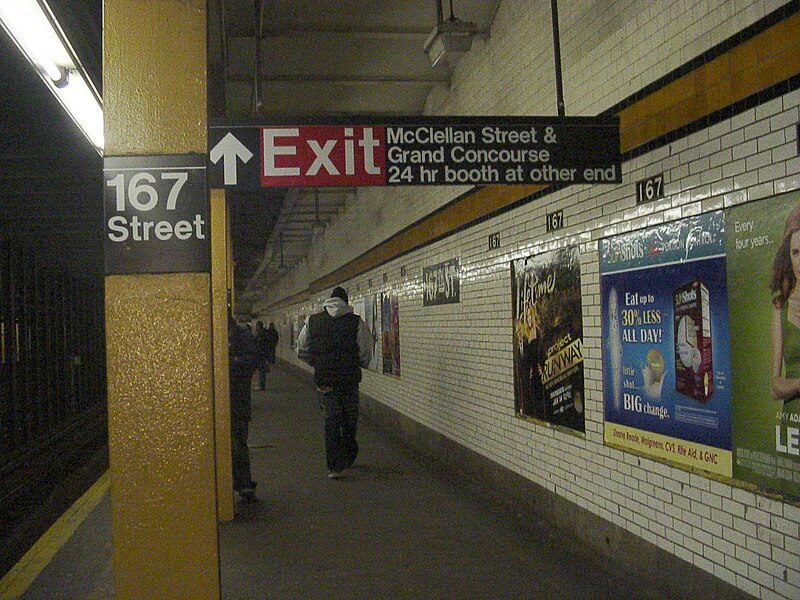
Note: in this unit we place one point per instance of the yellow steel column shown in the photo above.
(220, 286)
(158, 326)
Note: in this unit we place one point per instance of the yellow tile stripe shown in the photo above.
(754, 65)
(25, 572)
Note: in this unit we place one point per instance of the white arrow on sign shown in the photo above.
(229, 149)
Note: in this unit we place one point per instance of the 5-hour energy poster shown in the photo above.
(666, 362)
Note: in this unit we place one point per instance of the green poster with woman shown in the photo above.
(763, 268)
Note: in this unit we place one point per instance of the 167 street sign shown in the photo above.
(419, 151)
(156, 214)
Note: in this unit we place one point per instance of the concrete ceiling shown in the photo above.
(304, 59)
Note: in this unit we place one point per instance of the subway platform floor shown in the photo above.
(395, 527)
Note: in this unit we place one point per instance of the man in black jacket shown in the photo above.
(337, 343)
(242, 362)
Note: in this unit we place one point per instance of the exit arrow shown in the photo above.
(229, 149)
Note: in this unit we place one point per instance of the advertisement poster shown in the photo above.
(763, 249)
(666, 361)
(441, 283)
(390, 333)
(548, 337)
(367, 309)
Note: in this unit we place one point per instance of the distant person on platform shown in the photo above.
(243, 361)
(266, 341)
(273, 342)
(337, 343)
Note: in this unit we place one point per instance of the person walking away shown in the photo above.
(272, 338)
(337, 343)
(242, 361)
(262, 339)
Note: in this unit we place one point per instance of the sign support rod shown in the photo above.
(557, 58)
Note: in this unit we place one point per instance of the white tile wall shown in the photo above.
(456, 359)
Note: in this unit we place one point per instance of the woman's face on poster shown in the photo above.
(794, 254)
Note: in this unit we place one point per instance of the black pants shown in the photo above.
(341, 420)
(240, 454)
(262, 375)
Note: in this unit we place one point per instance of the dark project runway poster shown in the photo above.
(548, 338)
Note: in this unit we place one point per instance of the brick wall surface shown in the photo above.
(457, 358)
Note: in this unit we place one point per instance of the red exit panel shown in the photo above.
(323, 155)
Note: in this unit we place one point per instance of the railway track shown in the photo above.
(38, 487)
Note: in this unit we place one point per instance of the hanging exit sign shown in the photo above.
(418, 151)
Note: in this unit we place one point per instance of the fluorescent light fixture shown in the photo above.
(451, 40)
(35, 31)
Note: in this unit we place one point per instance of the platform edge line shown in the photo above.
(24, 573)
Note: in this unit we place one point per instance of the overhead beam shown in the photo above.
(304, 32)
(372, 80)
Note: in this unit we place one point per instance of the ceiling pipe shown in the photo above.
(440, 12)
(557, 59)
(224, 47)
(258, 32)
(319, 227)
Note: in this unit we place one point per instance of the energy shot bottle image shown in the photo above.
(615, 347)
(693, 360)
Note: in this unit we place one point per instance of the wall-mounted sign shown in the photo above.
(650, 189)
(156, 214)
(390, 333)
(666, 357)
(494, 241)
(555, 220)
(417, 151)
(761, 247)
(441, 283)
